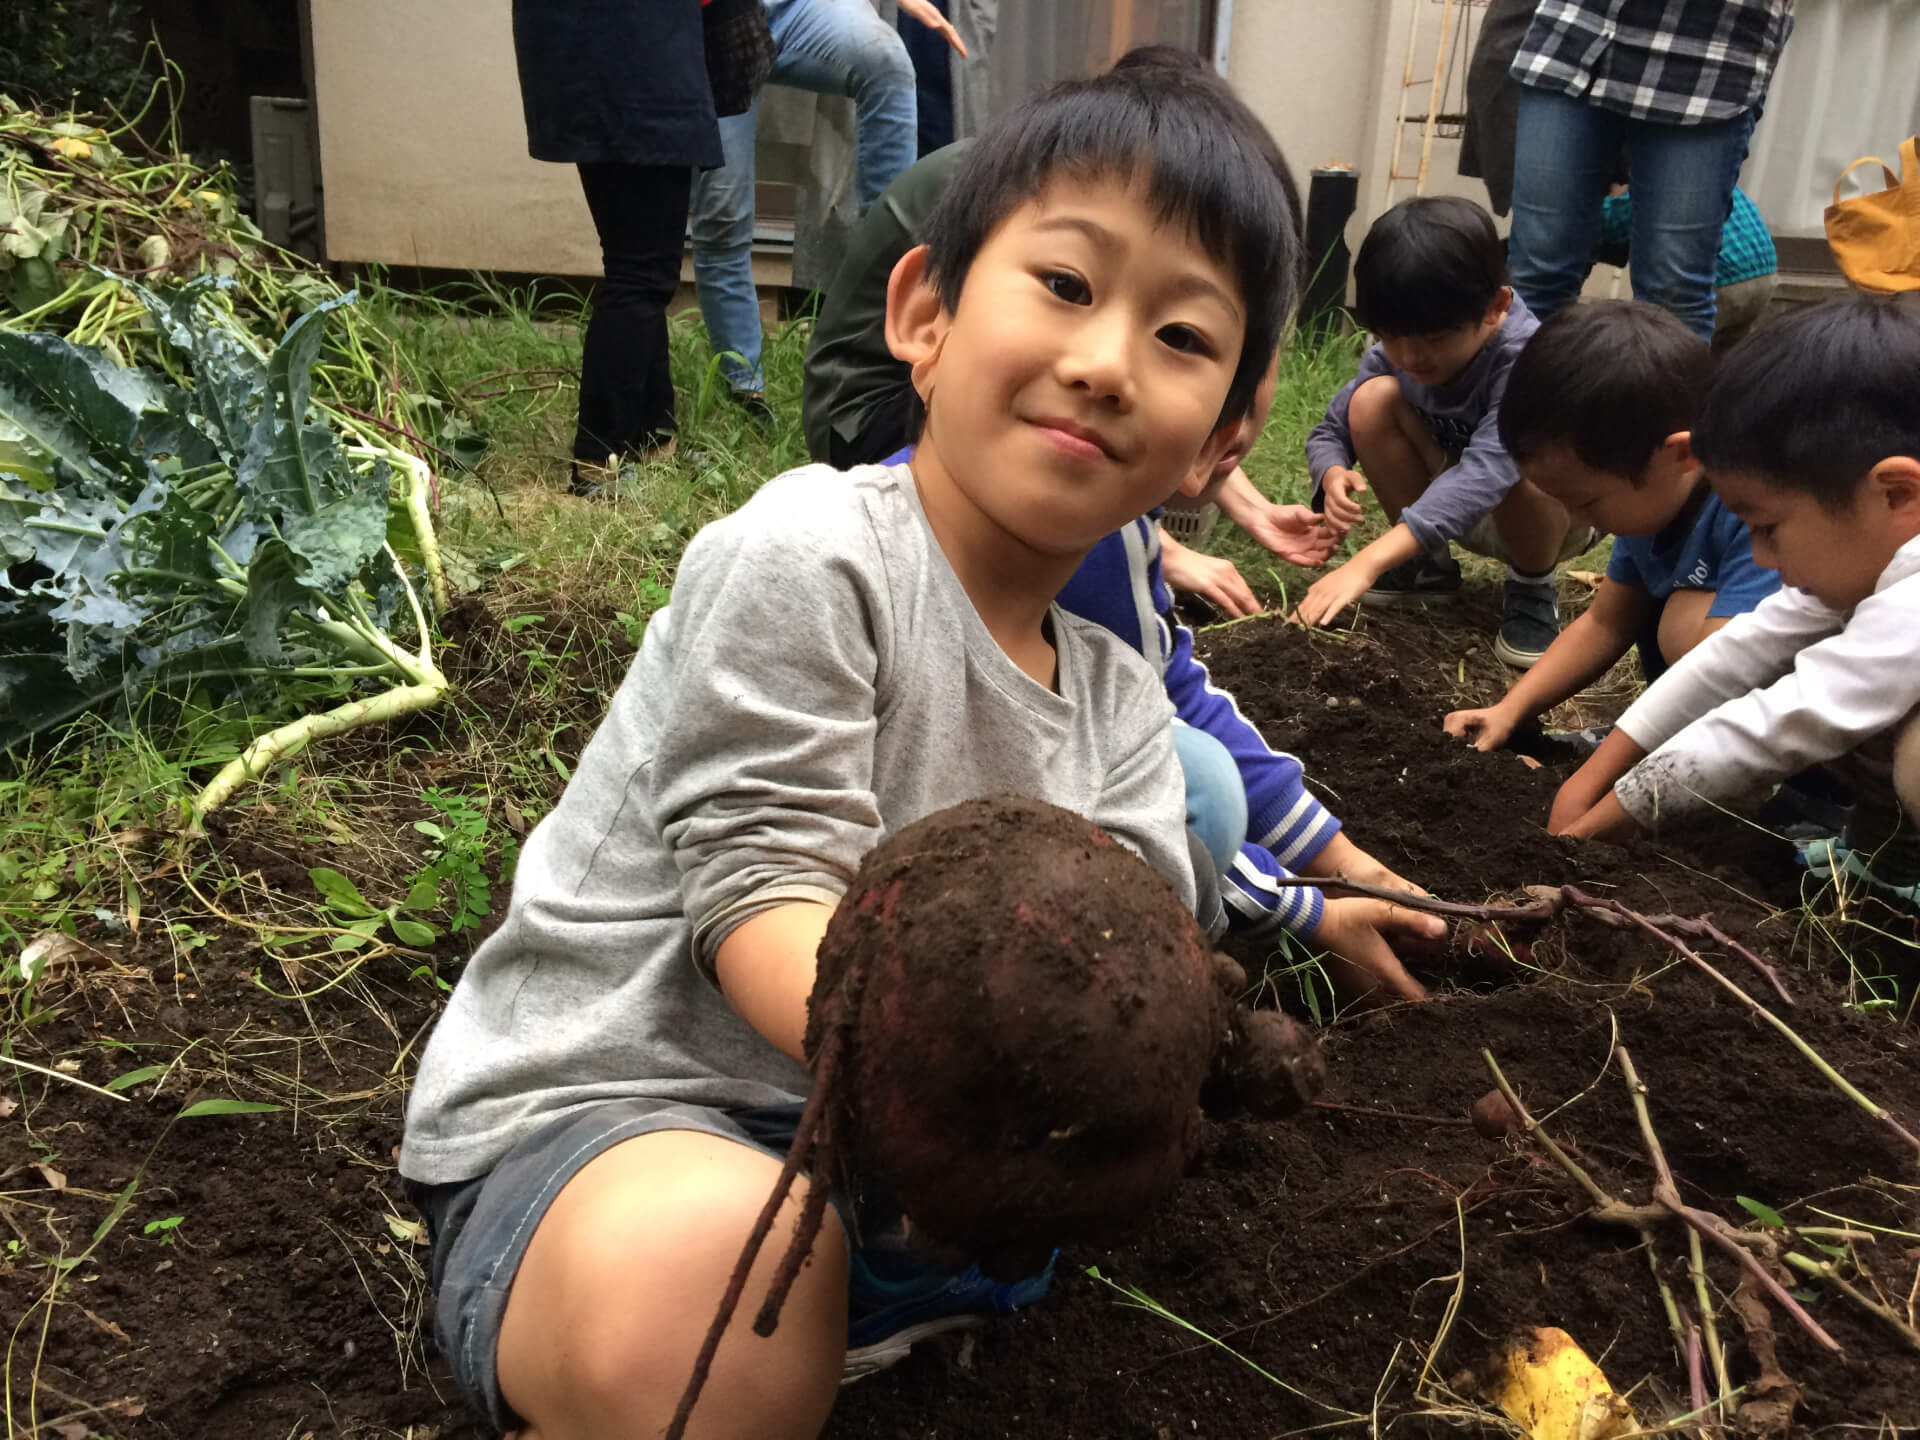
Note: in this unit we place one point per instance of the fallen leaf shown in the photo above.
(516, 821)
(1585, 577)
(1774, 1395)
(55, 1180)
(72, 149)
(44, 949)
(106, 1325)
(1528, 761)
(67, 1067)
(131, 1407)
(7, 1106)
(73, 1429)
(407, 1232)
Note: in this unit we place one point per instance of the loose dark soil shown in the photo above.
(1326, 1249)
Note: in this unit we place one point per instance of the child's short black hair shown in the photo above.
(1429, 264)
(1207, 162)
(1814, 400)
(1609, 381)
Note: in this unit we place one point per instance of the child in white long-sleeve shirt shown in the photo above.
(1810, 433)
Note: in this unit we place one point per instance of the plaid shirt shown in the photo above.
(1677, 62)
(1746, 249)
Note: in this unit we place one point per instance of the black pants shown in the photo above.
(626, 389)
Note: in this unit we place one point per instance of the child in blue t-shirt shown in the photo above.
(1598, 412)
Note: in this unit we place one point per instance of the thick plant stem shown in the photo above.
(1824, 1271)
(1667, 1193)
(291, 739)
(1716, 1353)
(1664, 1185)
(418, 485)
(1536, 913)
(1602, 1201)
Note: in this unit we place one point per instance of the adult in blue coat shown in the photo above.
(619, 89)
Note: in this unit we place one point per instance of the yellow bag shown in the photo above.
(1876, 237)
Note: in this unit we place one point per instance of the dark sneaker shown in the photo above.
(1529, 623)
(1418, 581)
(759, 412)
(591, 482)
(1582, 742)
(897, 1302)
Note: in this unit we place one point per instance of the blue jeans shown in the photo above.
(1216, 795)
(832, 47)
(1564, 156)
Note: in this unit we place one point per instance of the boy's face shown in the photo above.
(1440, 358)
(1614, 504)
(1082, 374)
(1834, 555)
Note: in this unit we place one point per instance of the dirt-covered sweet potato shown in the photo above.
(1028, 1014)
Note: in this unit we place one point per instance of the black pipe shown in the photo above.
(1331, 198)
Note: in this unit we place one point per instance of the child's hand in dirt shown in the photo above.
(1341, 859)
(1608, 820)
(1591, 785)
(1340, 485)
(1360, 957)
(1333, 593)
(1487, 729)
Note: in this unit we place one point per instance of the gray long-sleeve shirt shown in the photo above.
(1463, 416)
(819, 680)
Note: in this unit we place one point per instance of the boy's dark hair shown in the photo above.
(1610, 381)
(1429, 264)
(1207, 162)
(1814, 400)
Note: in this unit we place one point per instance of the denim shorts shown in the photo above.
(480, 1228)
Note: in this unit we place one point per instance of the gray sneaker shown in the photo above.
(1529, 623)
(1418, 581)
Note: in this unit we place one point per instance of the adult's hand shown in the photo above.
(928, 15)
(1293, 532)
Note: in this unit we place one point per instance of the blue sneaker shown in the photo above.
(897, 1302)
(1845, 868)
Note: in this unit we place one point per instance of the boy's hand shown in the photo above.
(1608, 820)
(1487, 729)
(1360, 958)
(1334, 592)
(1339, 485)
(1341, 858)
(1593, 783)
(1214, 580)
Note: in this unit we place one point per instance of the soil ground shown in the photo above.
(1329, 1251)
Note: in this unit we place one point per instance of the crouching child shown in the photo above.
(1598, 414)
(1422, 422)
(1811, 435)
(605, 1105)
